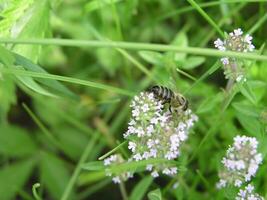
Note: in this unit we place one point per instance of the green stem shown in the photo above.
(123, 191)
(135, 46)
(34, 191)
(78, 168)
(206, 16)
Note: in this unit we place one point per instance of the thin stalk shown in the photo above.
(257, 24)
(78, 168)
(206, 16)
(123, 191)
(203, 5)
(67, 79)
(135, 46)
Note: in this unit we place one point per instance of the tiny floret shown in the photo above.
(113, 161)
(240, 163)
(235, 41)
(155, 132)
(248, 193)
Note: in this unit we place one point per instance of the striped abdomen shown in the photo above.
(162, 93)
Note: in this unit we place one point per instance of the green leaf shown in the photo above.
(152, 57)
(193, 62)
(15, 141)
(140, 189)
(6, 57)
(96, 4)
(54, 85)
(209, 103)
(12, 12)
(54, 174)
(247, 91)
(30, 83)
(72, 141)
(7, 95)
(13, 177)
(154, 195)
(250, 124)
(94, 166)
(180, 40)
(33, 24)
(246, 109)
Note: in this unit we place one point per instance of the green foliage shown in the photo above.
(66, 87)
(154, 195)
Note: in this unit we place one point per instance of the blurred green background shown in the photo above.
(48, 128)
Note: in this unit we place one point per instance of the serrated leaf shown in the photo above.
(141, 188)
(13, 177)
(33, 24)
(15, 142)
(152, 57)
(154, 195)
(12, 12)
(193, 62)
(54, 174)
(94, 166)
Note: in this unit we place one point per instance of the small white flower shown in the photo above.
(248, 39)
(146, 155)
(242, 193)
(225, 61)
(150, 130)
(221, 184)
(250, 188)
(218, 43)
(251, 47)
(132, 123)
(154, 120)
(248, 194)
(132, 146)
(137, 157)
(238, 32)
(238, 183)
(135, 113)
(235, 41)
(173, 170)
(153, 153)
(166, 171)
(116, 179)
(149, 167)
(145, 108)
(241, 161)
(239, 78)
(154, 174)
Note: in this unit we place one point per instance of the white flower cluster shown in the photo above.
(248, 194)
(241, 162)
(114, 160)
(235, 41)
(154, 132)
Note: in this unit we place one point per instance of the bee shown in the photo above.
(177, 102)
